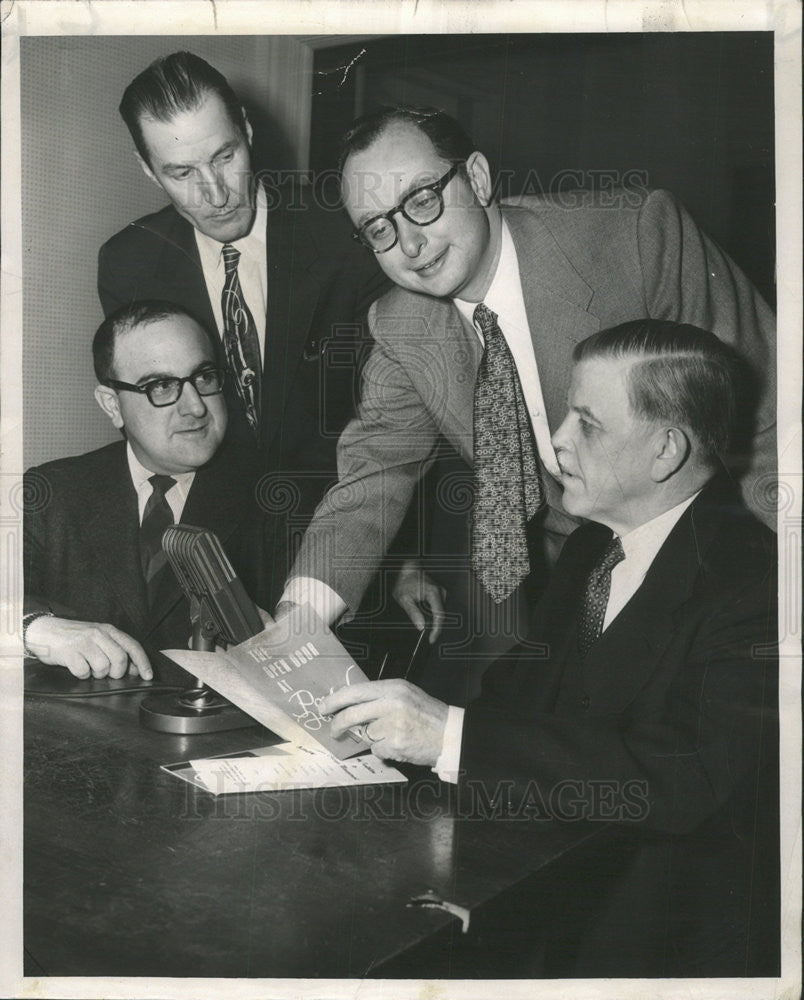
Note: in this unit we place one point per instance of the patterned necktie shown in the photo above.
(596, 595)
(506, 476)
(155, 518)
(240, 340)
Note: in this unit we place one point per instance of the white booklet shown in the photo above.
(280, 676)
(282, 767)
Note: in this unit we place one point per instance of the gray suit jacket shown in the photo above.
(584, 266)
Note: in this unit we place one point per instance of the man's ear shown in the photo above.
(107, 400)
(479, 174)
(247, 126)
(146, 169)
(672, 450)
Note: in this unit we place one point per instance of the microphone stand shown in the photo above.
(198, 709)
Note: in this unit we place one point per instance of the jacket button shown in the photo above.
(586, 701)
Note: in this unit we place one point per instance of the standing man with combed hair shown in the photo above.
(272, 275)
(647, 694)
(474, 343)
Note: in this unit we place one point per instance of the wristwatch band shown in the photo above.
(27, 621)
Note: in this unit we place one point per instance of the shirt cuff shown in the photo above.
(322, 599)
(449, 762)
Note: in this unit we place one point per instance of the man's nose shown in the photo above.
(214, 189)
(559, 440)
(411, 237)
(190, 402)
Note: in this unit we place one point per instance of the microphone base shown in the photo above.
(185, 714)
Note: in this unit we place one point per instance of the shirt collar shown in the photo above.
(644, 542)
(140, 475)
(251, 245)
(505, 287)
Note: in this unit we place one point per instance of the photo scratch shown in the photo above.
(344, 70)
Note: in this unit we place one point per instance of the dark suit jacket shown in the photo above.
(584, 266)
(320, 285)
(81, 555)
(675, 711)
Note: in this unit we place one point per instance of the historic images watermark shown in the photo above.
(568, 800)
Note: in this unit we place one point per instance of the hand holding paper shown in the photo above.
(280, 677)
(401, 721)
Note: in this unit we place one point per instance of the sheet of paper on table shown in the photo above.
(281, 768)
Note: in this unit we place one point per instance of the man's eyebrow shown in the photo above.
(154, 376)
(367, 216)
(230, 144)
(584, 411)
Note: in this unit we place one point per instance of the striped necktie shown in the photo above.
(240, 341)
(155, 518)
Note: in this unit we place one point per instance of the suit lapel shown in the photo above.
(292, 294)
(641, 631)
(557, 303)
(178, 267)
(111, 527)
(559, 607)
(460, 355)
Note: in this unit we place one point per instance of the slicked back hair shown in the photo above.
(681, 375)
(124, 320)
(446, 134)
(170, 86)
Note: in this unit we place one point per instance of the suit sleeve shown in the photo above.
(112, 292)
(686, 277)
(672, 760)
(39, 545)
(382, 454)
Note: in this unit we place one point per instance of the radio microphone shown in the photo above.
(220, 612)
(217, 596)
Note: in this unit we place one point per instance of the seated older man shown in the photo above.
(650, 668)
(98, 591)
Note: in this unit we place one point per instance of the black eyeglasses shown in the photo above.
(167, 391)
(422, 206)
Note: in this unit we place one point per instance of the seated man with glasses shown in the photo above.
(99, 595)
(474, 346)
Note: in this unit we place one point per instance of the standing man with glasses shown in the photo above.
(99, 595)
(475, 344)
(276, 277)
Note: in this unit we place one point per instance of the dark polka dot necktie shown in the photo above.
(596, 595)
(155, 518)
(240, 341)
(506, 476)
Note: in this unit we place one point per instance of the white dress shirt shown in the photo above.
(505, 298)
(176, 496)
(252, 269)
(641, 546)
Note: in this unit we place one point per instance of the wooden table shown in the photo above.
(132, 872)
